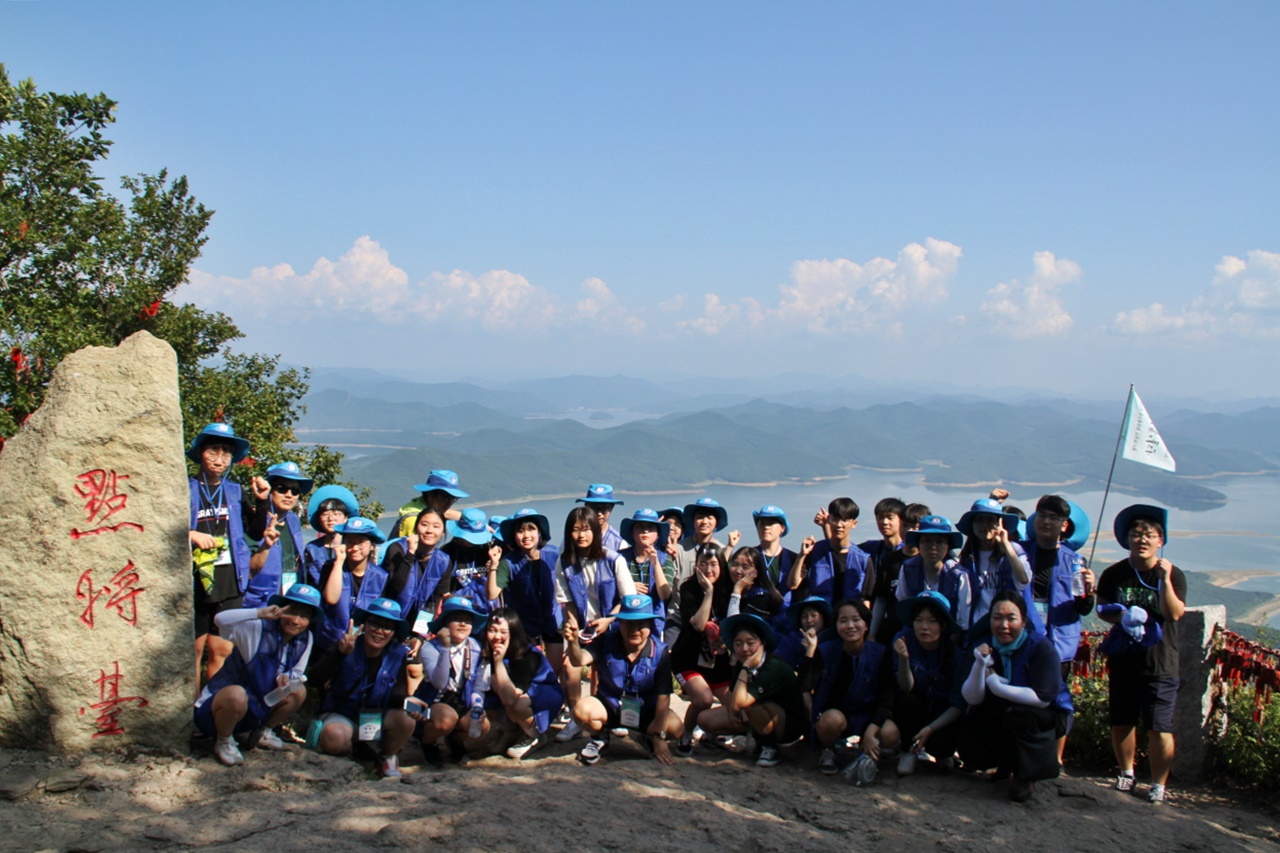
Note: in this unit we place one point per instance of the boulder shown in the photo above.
(96, 645)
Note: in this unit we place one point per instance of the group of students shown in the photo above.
(939, 643)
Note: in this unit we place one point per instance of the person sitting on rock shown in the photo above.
(261, 684)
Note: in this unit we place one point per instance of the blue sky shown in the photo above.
(1061, 196)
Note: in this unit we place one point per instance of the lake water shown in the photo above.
(1240, 535)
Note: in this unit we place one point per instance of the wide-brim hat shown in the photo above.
(706, 505)
(1079, 527)
(507, 529)
(934, 525)
(331, 493)
(599, 493)
(361, 526)
(815, 601)
(459, 604)
(383, 608)
(473, 527)
(731, 626)
(648, 516)
(495, 526)
(442, 481)
(1127, 516)
(221, 433)
(301, 593)
(772, 511)
(290, 471)
(909, 607)
(987, 506)
(635, 608)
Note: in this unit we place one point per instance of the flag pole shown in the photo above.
(1119, 438)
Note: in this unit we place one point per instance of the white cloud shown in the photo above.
(1033, 308)
(1242, 300)
(600, 308)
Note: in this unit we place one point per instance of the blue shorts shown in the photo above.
(1151, 700)
(204, 720)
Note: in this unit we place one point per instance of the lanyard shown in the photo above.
(213, 500)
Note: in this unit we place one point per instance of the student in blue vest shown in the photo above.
(991, 557)
(474, 556)
(765, 698)
(851, 679)
(526, 577)
(416, 564)
(222, 524)
(600, 499)
(272, 646)
(807, 618)
(351, 579)
(884, 562)
(1054, 606)
(276, 563)
(834, 568)
(929, 671)
(1018, 702)
(457, 679)
(365, 672)
(590, 583)
(771, 526)
(633, 685)
(329, 508)
(700, 655)
(523, 688)
(930, 568)
(651, 567)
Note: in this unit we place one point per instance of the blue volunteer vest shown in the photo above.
(354, 688)
(258, 675)
(606, 587)
(531, 593)
(336, 616)
(614, 680)
(266, 583)
(859, 700)
(233, 495)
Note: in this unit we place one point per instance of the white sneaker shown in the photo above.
(906, 764)
(267, 739)
(569, 732)
(389, 767)
(227, 752)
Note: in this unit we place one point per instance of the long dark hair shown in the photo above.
(762, 575)
(722, 589)
(519, 645)
(596, 551)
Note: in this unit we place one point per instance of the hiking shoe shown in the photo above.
(684, 746)
(227, 752)
(907, 764)
(768, 757)
(525, 746)
(1020, 791)
(862, 771)
(827, 762)
(389, 767)
(1124, 782)
(570, 731)
(590, 753)
(1156, 795)
(266, 739)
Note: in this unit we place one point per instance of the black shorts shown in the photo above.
(1139, 697)
(206, 610)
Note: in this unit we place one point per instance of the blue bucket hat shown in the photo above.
(383, 608)
(754, 623)
(290, 471)
(473, 527)
(361, 526)
(599, 493)
(1078, 527)
(222, 433)
(707, 505)
(635, 608)
(646, 515)
(495, 526)
(909, 607)
(934, 525)
(301, 593)
(815, 601)
(331, 493)
(1127, 516)
(507, 530)
(772, 511)
(459, 604)
(443, 481)
(987, 506)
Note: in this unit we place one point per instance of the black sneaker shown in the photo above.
(684, 746)
(526, 745)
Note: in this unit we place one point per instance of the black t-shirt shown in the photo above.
(522, 671)
(692, 650)
(1121, 583)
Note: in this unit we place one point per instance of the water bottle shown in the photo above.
(1077, 576)
(477, 715)
(275, 697)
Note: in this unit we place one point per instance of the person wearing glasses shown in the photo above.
(276, 563)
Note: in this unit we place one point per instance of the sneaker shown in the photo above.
(684, 746)
(227, 752)
(563, 718)
(861, 772)
(570, 731)
(1156, 795)
(433, 756)
(1020, 791)
(768, 757)
(1124, 782)
(827, 762)
(266, 739)
(389, 767)
(525, 745)
(590, 753)
(907, 764)
(620, 731)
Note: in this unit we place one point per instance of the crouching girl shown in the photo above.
(456, 681)
(270, 649)
(522, 685)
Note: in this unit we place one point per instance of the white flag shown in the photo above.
(1142, 441)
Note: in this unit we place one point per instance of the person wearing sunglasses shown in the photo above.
(276, 564)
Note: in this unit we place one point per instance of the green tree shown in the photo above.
(80, 267)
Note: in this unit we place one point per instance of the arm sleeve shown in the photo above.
(301, 667)
(975, 687)
(242, 628)
(626, 584)
(562, 583)
(1016, 695)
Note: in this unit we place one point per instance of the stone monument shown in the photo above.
(96, 645)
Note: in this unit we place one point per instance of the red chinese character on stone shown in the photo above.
(122, 595)
(110, 703)
(101, 490)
